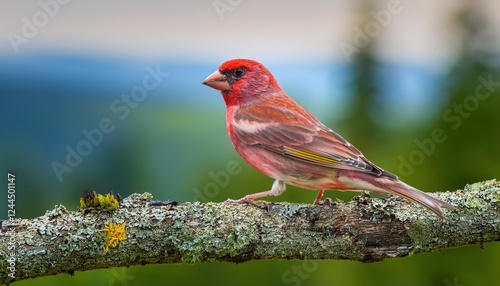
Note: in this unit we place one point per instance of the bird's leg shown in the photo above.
(277, 189)
(318, 200)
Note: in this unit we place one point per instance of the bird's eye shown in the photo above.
(239, 72)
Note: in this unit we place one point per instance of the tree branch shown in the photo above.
(365, 229)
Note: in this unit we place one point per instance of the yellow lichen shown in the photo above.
(115, 234)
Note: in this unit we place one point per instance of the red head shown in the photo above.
(241, 80)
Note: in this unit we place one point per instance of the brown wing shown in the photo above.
(300, 136)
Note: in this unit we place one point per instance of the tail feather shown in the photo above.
(396, 187)
(433, 204)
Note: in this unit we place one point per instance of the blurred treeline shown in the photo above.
(174, 145)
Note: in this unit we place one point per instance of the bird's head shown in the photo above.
(241, 80)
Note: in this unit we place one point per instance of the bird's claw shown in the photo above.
(326, 202)
(245, 200)
(240, 201)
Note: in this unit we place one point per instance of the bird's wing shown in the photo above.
(299, 136)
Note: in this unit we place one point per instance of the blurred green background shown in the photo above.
(387, 75)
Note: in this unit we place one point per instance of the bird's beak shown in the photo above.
(217, 81)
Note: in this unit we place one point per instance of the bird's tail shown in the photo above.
(396, 187)
(433, 204)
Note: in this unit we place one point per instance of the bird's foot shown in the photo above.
(326, 202)
(318, 200)
(278, 188)
(247, 200)
(243, 200)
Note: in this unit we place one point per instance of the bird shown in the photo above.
(279, 138)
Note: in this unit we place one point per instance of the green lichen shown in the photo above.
(57, 211)
(236, 241)
(290, 210)
(475, 197)
(420, 233)
(205, 233)
(474, 206)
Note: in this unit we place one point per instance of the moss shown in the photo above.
(109, 201)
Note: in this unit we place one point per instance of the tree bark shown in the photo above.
(365, 229)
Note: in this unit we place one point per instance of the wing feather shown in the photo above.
(300, 137)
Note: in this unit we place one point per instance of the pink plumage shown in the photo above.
(278, 137)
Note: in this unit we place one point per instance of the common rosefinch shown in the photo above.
(281, 139)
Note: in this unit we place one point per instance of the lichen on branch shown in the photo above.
(365, 229)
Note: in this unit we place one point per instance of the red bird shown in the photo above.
(278, 137)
